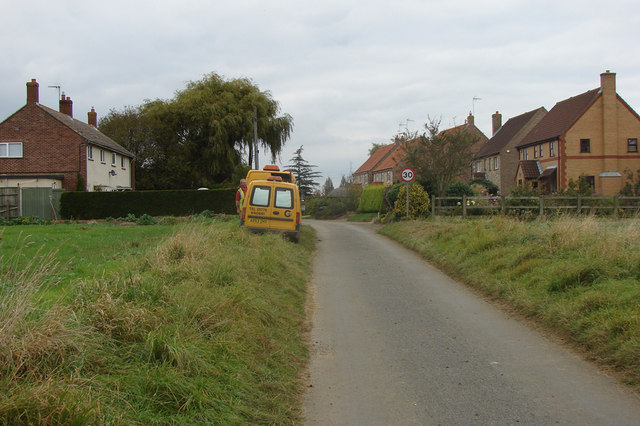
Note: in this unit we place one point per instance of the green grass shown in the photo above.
(362, 217)
(579, 277)
(201, 322)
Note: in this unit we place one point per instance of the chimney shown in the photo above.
(66, 105)
(496, 122)
(608, 83)
(470, 120)
(33, 93)
(92, 117)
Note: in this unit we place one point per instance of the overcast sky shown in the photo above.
(348, 72)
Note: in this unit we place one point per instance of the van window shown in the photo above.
(284, 198)
(260, 196)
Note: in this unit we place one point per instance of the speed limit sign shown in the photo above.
(408, 175)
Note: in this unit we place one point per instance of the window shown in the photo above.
(284, 198)
(113, 158)
(535, 151)
(11, 150)
(102, 156)
(90, 152)
(591, 180)
(552, 149)
(525, 154)
(260, 196)
(632, 145)
(541, 151)
(496, 163)
(123, 163)
(585, 145)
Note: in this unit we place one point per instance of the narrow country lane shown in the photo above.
(396, 342)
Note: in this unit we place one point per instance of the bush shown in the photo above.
(391, 195)
(491, 187)
(372, 199)
(327, 207)
(418, 201)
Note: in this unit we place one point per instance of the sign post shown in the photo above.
(407, 176)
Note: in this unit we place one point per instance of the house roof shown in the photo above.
(90, 133)
(560, 118)
(375, 158)
(506, 133)
(530, 169)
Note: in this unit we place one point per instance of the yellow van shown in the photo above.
(272, 205)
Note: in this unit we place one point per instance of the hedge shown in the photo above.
(371, 200)
(101, 205)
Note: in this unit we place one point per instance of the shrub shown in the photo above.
(391, 195)
(372, 199)
(418, 201)
(327, 207)
(491, 187)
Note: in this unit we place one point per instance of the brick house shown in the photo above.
(594, 134)
(497, 161)
(41, 147)
(385, 165)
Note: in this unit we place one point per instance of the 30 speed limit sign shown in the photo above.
(408, 175)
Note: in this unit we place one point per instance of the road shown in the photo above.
(396, 342)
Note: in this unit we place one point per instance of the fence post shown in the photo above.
(502, 204)
(616, 205)
(579, 207)
(464, 205)
(541, 205)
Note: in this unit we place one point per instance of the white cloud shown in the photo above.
(347, 71)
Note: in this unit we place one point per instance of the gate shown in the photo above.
(9, 203)
(41, 202)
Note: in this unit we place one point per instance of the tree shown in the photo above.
(374, 148)
(304, 173)
(200, 136)
(440, 157)
(327, 187)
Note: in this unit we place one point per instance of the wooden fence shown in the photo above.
(467, 206)
(9, 203)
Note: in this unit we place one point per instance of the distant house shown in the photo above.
(41, 147)
(594, 134)
(384, 166)
(497, 160)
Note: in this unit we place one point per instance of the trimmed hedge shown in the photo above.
(371, 200)
(100, 205)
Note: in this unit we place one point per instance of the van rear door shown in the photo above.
(258, 207)
(283, 209)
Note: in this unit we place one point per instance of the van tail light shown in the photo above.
(297, 218)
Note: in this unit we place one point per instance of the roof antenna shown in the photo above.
(57, 87)
(473, 105)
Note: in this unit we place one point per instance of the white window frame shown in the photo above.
(113, 159)
(496, 163)
(7, 149)
(123, 163)
(89, 152)
(102, 156)
(552, 149)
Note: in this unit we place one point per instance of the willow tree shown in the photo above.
(200, 135)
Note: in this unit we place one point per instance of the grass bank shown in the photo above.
(579, 277)
(196, 323)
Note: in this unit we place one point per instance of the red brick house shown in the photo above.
(385, 165)
(42, 147)
(592, 135)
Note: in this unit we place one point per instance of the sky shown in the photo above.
(350, 73)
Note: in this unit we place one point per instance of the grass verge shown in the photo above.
(200, 323)
(579, 277)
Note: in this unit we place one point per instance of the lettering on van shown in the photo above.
(287, 213)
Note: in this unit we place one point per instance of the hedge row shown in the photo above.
(101, 205)
(371, 200)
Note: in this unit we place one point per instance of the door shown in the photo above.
(282, 215)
